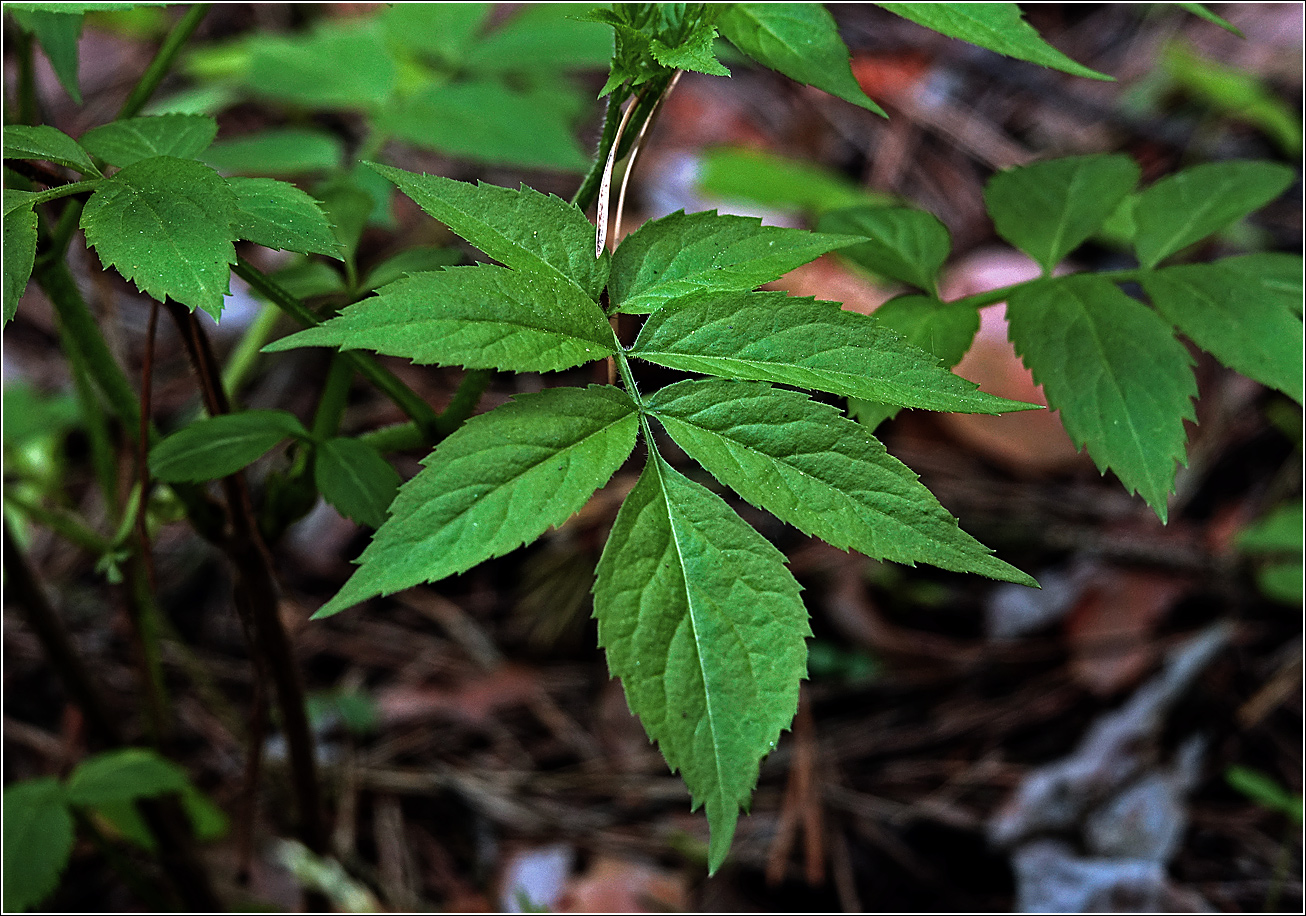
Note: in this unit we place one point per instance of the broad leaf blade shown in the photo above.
(19, 256)
(771, 337)
(687, 253)
(165, 224)
(442, 30)
(481, 317)
(799, 40)
(353, 477)
(38, 838)
(942, 329)
(810, 466)
(1200, 10)
(122, 143)
(47, 143)
(278, 151)
(523, 229)
(1234, 318)
(705, 628)
(998, 27)
(276, 214)
(486, 121)
(905, 244)
(338, 65)
(499, 482)
(58, 32)
(1049, 208)
(1113, 368)
(736, 173)
(124, 775)
(218, 446)
(1199, 201)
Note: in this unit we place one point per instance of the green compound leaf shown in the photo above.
(799, 40)
(124, 775)
(998, 27)
(38, 838)
(1200, 201)
(218, 446)
(480, 317)
(771, 337)
(19, 256)
(525, 229)
(276, 214)
(353, 477)
(283, 151)
(1113, 368)
(486, 121)
(682, 254)
(49, 144)
(944, 330)
(19, 200)
(122, 143)
(165, 224)
(1200, 10)
(499, 482)
(1235, 318)
(339, 65)
(906, 244)
(706, 629)
(1277, 277)
(1049, 208)
(810, 466)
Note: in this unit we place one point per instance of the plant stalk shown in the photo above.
(162, 63)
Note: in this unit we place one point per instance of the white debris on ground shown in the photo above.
(1093, 832)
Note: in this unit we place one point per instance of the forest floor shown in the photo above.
(474, 750)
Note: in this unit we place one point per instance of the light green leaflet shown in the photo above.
(944, 330)
(1234, 318)
(38, 838)
(523, 229)
(48, 143)
(20, 255)
(1049, 208)
(1113, 368)
(799, 40)
(499, 482)
(353, 477)
(218, 446)
(1188, 206)
(903, 243)
(165, 223)
(824, 474)
(122, 143)
(704, 626)
(682, 254)
(999, 27)
(481, 317)
(279, 215)
(772, 337)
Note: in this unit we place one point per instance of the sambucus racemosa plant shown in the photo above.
(696, 611)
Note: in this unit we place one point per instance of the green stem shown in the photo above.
(162, 63)
(64, 190)
(335, 394)
(464, 401)
(29, 110)
(399, 437)
(628, 377)
(104, 459)
(404, 397)
(79, 325)
(588, 191)
(246, 354)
